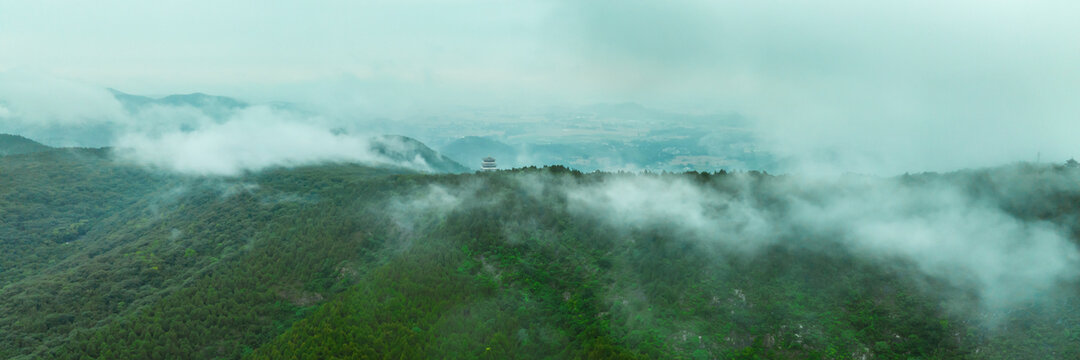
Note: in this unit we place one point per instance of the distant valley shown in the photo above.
(601, 137)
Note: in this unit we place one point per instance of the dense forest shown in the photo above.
(100, 259)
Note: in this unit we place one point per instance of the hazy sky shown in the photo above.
(855, 85)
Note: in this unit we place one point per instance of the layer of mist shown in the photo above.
(194, 134)
(254, 139)
(975, 241)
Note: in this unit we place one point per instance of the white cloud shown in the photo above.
(944, 231)
(645, 201)
(256, 138)
(947, 233)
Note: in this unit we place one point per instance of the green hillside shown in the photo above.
(403, 149)
(105, 260)
(15, 144)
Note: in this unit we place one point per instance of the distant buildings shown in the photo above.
(488, 164)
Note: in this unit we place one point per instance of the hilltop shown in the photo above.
(15, 144)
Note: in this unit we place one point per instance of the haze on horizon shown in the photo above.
(837, 86)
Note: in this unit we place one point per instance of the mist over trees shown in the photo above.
(346, 261)
(548, 179)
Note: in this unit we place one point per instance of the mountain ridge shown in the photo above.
(16, 144)
(115, 260)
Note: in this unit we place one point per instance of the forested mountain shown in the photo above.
(103, 259)
(405, 149)
(15, 144)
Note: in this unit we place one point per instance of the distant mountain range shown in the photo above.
(217, 107)
(396, 149)
(199, 100)
(616, 136)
